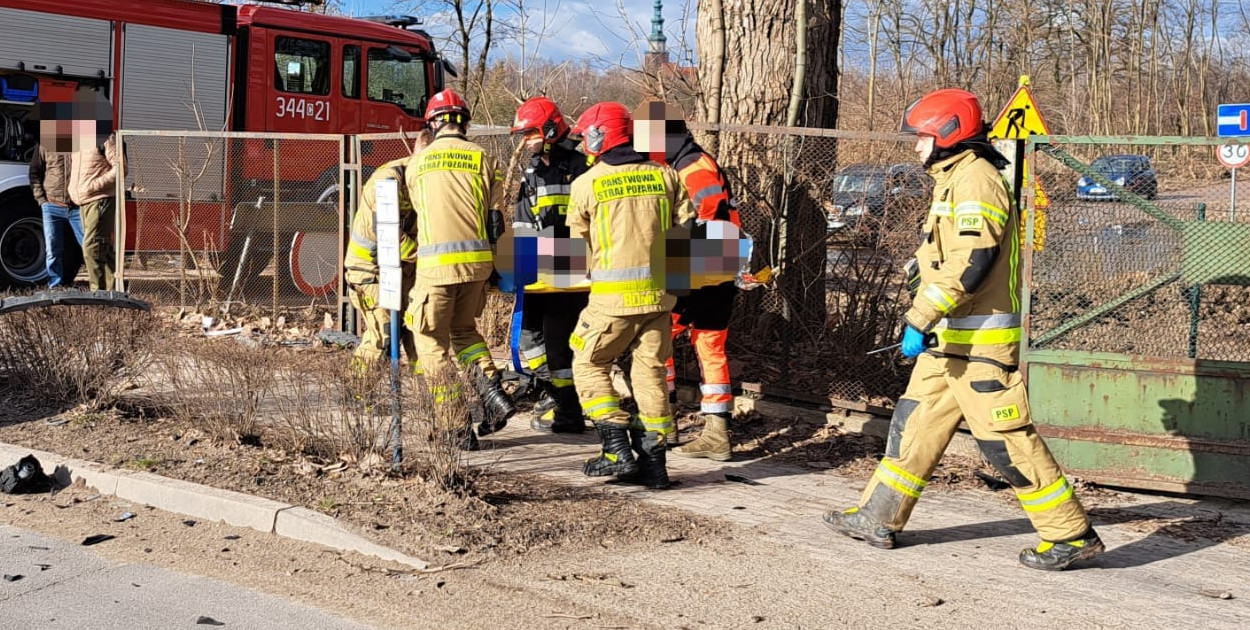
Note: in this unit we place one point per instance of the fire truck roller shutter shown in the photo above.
(158, 72)
(43, 42)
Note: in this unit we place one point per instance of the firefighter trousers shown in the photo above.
(706, 313)
(941, 393)
(443, 321)
(547, 320)
(375, 338)
(598, 341)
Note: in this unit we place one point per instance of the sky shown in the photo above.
(575, 29)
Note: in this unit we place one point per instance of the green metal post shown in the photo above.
(1195, 300)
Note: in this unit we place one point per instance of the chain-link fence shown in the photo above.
(236, 224)
(1144, 253)
(836, 216)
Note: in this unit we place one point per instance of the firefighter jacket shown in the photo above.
(455, 188)
(543, 200)
(623, 206)
(969, 294)
(361, 261)
(705, 181)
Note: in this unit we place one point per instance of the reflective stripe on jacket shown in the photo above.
(361, 259)
(454, 184)
(969, 292)
(624, 212)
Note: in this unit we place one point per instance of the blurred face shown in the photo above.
(924, 147)
(533, 140)
(649, 136)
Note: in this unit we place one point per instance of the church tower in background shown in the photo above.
(657, 44)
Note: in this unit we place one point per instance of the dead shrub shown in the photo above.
(496, 319)
(435, 430)
(219, 386)
(79, 355)
(329, 410)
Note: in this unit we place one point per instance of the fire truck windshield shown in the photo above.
(397, 79)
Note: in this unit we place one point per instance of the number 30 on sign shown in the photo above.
(1233, 155)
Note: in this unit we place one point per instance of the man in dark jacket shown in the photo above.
(49, 181)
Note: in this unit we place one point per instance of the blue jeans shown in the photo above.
(56, 220)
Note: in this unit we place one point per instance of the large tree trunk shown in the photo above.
(776, 178)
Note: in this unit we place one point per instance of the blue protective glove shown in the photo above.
(507, 282)
(914, 342)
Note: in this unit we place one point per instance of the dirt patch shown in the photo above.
(505, 514)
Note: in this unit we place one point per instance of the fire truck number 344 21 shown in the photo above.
(303, 108)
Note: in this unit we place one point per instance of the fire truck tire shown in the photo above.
(314, 263)
(22, 245)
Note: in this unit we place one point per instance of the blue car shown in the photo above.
(1132, 172)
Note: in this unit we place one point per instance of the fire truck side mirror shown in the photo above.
(398, 54)
(450, 68)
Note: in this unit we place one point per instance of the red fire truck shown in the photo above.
(247, 68)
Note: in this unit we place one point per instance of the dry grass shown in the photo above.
(78, 355)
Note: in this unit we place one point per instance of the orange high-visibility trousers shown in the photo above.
(709, 345)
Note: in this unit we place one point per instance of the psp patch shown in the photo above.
(1006, 414)
(970, 223)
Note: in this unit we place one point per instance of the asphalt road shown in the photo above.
(63, 585)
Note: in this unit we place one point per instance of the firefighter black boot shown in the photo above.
(499, 406)
(652, 458)
(615, 458)
(565, 417)
(1049, 556)
(546, 399)
(860, 526)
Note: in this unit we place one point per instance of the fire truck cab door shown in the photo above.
(304, 83)
(397, 86)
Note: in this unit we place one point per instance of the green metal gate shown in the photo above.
(1138, 315)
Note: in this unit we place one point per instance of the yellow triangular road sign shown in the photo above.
(1020, 118)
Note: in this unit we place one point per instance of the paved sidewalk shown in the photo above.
(1177, 554)
(69, 586)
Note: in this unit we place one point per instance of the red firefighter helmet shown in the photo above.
(447, 106)
(950, 116)
(604, 126)
(542, 114)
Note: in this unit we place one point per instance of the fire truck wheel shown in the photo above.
(21, 240)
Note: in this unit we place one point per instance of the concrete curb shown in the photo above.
(210, 504)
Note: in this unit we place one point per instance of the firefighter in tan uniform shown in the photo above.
(623, 206)
(964, 327)
(361, 268)
(456, 190)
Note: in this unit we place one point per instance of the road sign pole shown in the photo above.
(1232, 197)
(390, 295)
(397, 443)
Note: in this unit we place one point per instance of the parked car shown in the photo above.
(1132, 172)
(869, 190)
